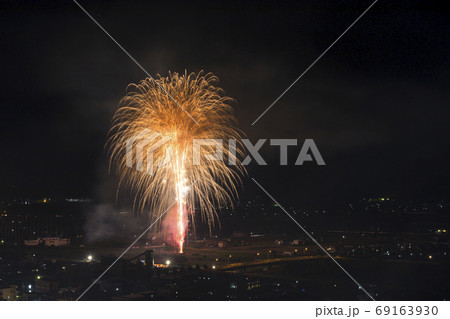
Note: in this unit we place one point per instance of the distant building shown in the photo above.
(78, 200)
(237, 234)
(32, 242)
(46, 285)
(9, 293)
(253, 284)
(149, 259)
(222, 244)
(48, 241)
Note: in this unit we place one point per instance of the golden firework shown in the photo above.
(169, 114)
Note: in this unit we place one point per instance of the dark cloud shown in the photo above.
(376, 103)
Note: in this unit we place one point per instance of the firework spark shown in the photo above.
(147, 109)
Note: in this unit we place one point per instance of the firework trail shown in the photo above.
(148, 110)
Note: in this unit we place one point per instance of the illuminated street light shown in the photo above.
(167, 262)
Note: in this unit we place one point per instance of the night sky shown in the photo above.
(377, 104)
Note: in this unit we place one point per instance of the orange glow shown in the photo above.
(166, 116)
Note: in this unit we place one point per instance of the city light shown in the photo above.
(105, 153)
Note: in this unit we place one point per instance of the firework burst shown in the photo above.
(168, 106)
